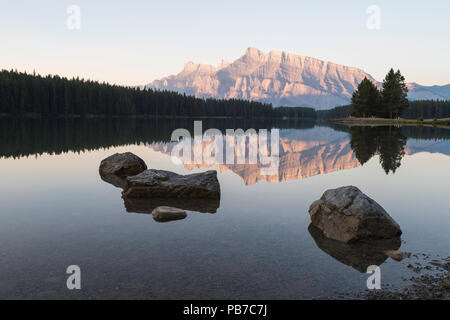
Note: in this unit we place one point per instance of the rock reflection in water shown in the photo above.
(117, 181)
(356, 255)
(146, 205)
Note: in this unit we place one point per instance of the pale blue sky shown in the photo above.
(135, 42)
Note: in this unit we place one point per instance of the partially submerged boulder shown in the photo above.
(122, 164)
(165, 214)
(165, 184)
(346, 214)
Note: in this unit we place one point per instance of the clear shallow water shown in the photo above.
(56, 211)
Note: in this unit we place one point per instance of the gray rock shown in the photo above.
(346, 214)
(165, 214)
(122, 164)
(165, 184)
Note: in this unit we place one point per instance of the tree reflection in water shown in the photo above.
(389, 142)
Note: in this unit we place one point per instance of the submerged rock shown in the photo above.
(165, 184)
(359, 255)
(165, 214)
(445, 265)
(122, 164)
(397, 254)
(346, 214)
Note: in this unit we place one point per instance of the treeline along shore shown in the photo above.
(417, 110)
(31, 95)
(23, 94)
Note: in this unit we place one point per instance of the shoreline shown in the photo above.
(351, 121)
(165, 117)
(430, 280)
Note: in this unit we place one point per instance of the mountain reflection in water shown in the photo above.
(306, 149)
(309, 152)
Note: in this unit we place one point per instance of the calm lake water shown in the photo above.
(56, 211)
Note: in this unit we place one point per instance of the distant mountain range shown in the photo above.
(282, 79)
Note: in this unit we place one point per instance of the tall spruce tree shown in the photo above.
(394, 93)
(365, 100)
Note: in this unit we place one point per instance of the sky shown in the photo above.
(135, 42)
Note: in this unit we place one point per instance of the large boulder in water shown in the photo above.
(122, 164)
(346, 214)
(165, 184)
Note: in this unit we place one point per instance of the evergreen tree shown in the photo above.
(22, 94)
(394, 93)
(365, 100)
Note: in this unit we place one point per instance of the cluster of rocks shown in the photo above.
(432, 282)
(164, 194)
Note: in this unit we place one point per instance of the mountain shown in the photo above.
(418, 92)
(280, 78)
(277, 77)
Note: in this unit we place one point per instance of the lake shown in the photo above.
(255, 243)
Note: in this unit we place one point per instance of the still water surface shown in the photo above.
(56, 211)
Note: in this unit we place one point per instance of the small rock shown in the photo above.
(165, 214)
(397, 254)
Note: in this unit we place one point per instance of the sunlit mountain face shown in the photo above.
(281, 78)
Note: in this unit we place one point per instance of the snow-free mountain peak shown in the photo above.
(280, 78)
